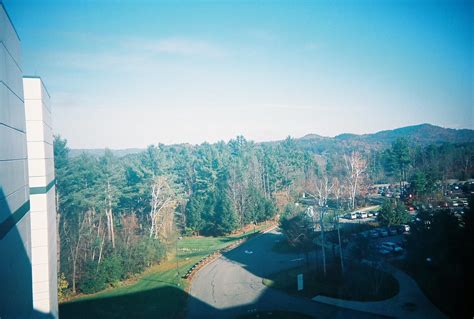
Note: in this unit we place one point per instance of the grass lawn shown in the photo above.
(360, 283)
(157, 293)
(275, 315)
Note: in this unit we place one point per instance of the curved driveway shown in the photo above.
(232, 285)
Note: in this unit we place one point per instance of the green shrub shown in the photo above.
(92, 279)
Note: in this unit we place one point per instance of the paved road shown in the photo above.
(232, 285)
(409, 303)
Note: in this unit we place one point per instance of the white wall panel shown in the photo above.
(40, 273)
(9, 37)
(39, 255)
(39, 237)
(12, 110)
(37, 168)
(41, 287)
(35, 110)
(38, 221)
(40, 181)
(12, 144)
(10, 73)
(39, 203)
(35, 130)
(9, 173)
(14, 201)
(43, 209)
(43, 298)
(39, 150)
(32, 88)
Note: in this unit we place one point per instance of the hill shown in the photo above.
(422, 134)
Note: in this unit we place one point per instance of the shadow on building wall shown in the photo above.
(16, 290)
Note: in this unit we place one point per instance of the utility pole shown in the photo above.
(340, 245)
(179, 225)
(177, 259)
(321, 218)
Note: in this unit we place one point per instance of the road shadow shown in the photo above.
(258, 260)
(272, 260)
(143, 304)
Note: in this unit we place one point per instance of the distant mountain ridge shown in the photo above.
(422, 134)
(100, 151)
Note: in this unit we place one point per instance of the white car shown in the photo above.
(361, 214)
(351, 216)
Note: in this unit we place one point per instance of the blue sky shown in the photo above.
(132, 73)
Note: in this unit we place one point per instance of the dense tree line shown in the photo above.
(117, 214)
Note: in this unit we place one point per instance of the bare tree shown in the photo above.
(73, 236)
(237, 191)
(320, 188)
(337, 191)
(162, 197)
(356, 166)
(110, 215)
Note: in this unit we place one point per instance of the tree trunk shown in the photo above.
(58, 243)
(100, 250)
(110, 216)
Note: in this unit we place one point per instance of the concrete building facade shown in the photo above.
(15, 229)
(28, 287)
(39, 138)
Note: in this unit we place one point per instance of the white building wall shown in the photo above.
(42, 195)
(15, 241)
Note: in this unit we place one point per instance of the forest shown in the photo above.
(116, 216)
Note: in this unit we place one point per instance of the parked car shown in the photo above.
(392, 231)
(374, 234)
(370, 214)
(350, 216)
(361, 214)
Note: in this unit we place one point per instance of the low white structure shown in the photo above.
(42, 195)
